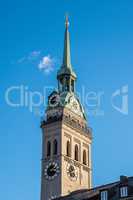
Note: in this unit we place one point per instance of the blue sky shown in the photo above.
(101, 49)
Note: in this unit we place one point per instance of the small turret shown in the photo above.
(66, 76)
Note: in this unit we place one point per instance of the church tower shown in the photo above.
(66, 138)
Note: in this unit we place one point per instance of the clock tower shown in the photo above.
(66, 138)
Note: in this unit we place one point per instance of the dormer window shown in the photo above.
(104, 195)
(123, 191)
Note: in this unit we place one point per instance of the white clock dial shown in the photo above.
(72, 171)
(51, 170)
(74, 106)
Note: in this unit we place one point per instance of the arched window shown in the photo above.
(84, 157)
(76, 152)
(48, 148)
(72, 85)
(55, 147)
(68, 149)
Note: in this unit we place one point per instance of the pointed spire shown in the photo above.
(66, 67)
(67, 54)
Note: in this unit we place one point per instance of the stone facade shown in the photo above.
(66, 137)
(63, 130)
(66, 171)
(120, 190)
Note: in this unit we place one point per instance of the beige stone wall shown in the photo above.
(51, 188)
(84, 143)
(50, 133)
(62, 184)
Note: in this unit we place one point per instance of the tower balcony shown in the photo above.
(69, 121)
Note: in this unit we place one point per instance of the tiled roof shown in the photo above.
(94, 192)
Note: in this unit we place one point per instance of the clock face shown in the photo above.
(54, 100)
(72, 171)
(51, 170)
(74, 105)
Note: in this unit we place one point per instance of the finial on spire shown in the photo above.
(67, 21)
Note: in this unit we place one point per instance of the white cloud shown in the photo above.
(21, 60)
(32, 56)
(47, 64)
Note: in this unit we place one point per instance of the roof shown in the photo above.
(93, 193)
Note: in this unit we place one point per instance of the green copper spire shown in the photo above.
(66, 67)
(67, 55)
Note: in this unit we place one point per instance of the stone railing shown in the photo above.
(69, 121)
(76, 125)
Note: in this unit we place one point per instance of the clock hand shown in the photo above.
(53, 169)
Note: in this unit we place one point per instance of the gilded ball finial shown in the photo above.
(67, 21)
